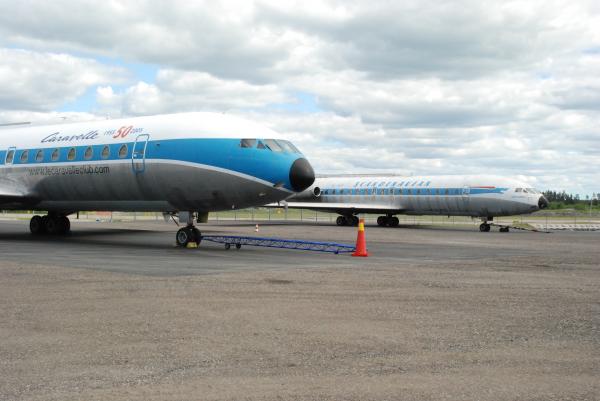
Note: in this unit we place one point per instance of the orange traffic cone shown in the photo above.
(361, 241)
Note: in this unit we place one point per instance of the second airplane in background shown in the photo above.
(483, 197)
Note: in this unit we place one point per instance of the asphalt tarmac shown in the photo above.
(149, 248)
(117, 312)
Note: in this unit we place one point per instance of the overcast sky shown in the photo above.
(421, 87)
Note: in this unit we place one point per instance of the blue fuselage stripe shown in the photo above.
(225, 153)
(429, 191)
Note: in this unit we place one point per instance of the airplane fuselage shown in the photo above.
(475, 196)
(189, 162)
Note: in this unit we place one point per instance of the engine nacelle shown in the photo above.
(308, 194)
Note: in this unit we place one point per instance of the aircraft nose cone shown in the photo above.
(543, 202)
(302, 175)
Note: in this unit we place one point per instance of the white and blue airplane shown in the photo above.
(480, 196)
(189, 163)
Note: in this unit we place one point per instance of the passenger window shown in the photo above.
(418, 192)
(105, 152)
(89, 152)
(39, 156)
(446, 191)
(71, 155)
(24, 156)
(54, 155)
(123, 151)
(9, 157)
(247, 143)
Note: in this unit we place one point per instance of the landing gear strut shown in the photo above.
(53, 224)
(347, 221)
(388, 221)
(188, 234)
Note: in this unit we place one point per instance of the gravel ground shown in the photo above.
(522, 325)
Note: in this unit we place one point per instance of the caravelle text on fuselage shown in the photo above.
(188, 163)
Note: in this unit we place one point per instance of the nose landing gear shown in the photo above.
(484, 227)
(188, 236)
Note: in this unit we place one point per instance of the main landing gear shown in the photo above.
(347, 221)
(189, 234)
(53, 224)
(388, 221)
(485, 227)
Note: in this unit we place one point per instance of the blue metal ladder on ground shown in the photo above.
(238, 241)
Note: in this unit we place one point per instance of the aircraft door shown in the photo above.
(466, 191)
(138, 154)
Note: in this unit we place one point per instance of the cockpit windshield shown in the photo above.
(275, 145)
(528, 190)
(248, 143)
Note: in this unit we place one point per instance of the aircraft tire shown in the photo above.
(340, 221)
(183, 237)
(394, 222)
(36, 225)
(382, 221)
(197, 235)
(65, 224)
(484, 227)
(504, 229)
(354, 221)
(54, 225)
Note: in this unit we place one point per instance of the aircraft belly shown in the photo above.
(161, 186)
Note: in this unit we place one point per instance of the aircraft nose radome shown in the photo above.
(543, 202)
(302, 175)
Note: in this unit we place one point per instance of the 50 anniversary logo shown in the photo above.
(116, 134)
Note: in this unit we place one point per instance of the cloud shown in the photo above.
(177, 90)
(44, 81)
(422, 86)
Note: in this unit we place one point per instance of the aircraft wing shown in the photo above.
(338, 207)
(12, 193)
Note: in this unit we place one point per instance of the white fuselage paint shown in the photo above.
(188, 161)
(476, 196)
